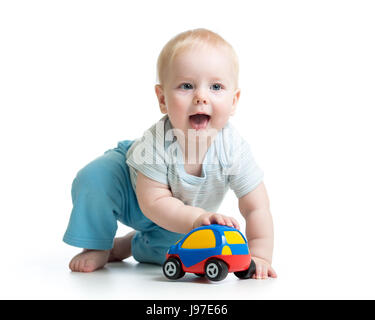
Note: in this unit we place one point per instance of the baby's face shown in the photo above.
(200, 91)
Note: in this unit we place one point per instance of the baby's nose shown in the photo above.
(200, 99)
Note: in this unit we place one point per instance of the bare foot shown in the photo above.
(89, 260)
(121, 248)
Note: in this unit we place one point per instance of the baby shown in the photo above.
(174, 178)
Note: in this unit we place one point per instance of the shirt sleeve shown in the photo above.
(244, 174)
(148, 156)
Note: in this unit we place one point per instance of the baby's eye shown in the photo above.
(186, 86)
(216, 86)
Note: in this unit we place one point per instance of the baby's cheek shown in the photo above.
(219, 121)
(178, 101)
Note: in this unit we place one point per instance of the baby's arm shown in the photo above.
(254, 206)
(158, 204)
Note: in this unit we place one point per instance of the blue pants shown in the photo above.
(102, 194)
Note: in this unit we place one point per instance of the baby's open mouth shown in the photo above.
(199, 121)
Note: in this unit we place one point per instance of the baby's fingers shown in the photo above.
(231, 222)
(215, 218)
(260, 271)
(206, 221)
(272, 273)
(228, 221)
(264, 271)
(235, 224)
(224, 220)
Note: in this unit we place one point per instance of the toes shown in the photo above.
(79, 265)
(83, 265)
(73, 264)
(89, 266)
(88, 261)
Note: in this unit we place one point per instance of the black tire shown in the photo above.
(247, 274)
(216, 270)
(172, 269)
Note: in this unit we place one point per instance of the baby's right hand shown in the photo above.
(211, 218)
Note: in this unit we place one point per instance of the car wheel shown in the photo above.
(172, 269)
(216, 270)
(248, 273)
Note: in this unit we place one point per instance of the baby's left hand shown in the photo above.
(263, 269)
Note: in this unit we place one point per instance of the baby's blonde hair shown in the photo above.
(190, 39)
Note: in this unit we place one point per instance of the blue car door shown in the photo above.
(199, 246)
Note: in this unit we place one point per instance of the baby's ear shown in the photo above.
(160, 95)
(236, 97)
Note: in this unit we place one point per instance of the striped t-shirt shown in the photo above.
(228, 163)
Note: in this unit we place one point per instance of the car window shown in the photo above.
(234, 237)
(200, 239)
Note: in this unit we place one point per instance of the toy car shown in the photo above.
(213, 251)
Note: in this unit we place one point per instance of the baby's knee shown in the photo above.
(152, 246)
(99, 174)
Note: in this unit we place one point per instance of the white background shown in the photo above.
(76, 77)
